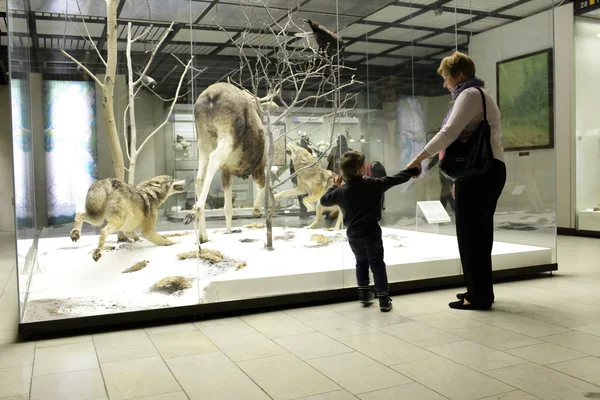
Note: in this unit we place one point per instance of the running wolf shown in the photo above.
(126, 208)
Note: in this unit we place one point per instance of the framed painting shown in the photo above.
(525, 96)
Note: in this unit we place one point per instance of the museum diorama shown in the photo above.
(174, 153)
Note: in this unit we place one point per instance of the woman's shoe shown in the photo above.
(460, 305)
(462, 296)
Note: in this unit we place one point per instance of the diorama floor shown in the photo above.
(69, 283)
(540, 341)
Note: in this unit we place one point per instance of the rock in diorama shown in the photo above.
(126, 208)
(313, 182)
(231, 138)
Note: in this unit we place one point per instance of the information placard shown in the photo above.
(433, 211)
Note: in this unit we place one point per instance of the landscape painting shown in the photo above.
(526, 101)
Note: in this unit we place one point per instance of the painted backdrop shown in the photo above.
(70, 144)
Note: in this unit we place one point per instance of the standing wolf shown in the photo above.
(126, 208)
(313, 182)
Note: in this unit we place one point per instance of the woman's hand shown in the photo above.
(416, 163)
(454, 191)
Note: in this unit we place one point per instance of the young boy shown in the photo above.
(360, 200)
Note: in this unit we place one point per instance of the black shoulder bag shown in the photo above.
(473, 157)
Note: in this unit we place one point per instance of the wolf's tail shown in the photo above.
(95, 201)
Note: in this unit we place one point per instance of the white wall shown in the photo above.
(7, 216)
(537, 170)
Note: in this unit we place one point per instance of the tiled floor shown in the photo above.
(541, 341)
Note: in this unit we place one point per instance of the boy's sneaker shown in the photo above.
(385, 303)
(365, 296)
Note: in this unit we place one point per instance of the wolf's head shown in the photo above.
(300, 156)
(161, 187)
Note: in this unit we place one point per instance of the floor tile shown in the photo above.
(75, 385)
(420, 334)
(386, 349)
(579, 341)
(306, 314)
(446, 321)
(9, 320)
(248, 347)
(235, 328)
(451, 379)
(219, 378)
(138, 378)
(21, 397)
(340, 327)
(337, 395)
(277, 325)
(476, 356)
(410, 308)
(358, 373)
(129, 346)
(592, 329)
(182, 344)
(546, 353)
(167, 396)
(216, 321)
(516, 395)
(65, 358)
(410, 391)
(174, 328)
(587, 369)
(15, 381)
(371, 316)
(523, 325)
(312, 345)
(63, 341)
(287, 377)
(543, 382)
(16, 355)
(498, 338)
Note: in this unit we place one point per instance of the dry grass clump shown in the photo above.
(214, 256)
(241, 265)
(172, 284)
(248, 240)
(286, 236)
(255, 225)
(136, 267)
(321, 239)
(176, 234)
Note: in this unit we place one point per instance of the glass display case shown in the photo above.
(587, 121)
(223, 97)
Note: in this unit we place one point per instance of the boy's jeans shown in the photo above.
(368, 250)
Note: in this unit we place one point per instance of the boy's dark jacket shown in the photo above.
(360, 198)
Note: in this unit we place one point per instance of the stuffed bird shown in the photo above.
(325, 38)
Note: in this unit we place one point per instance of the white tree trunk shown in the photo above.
(109, 89)
(132, 124)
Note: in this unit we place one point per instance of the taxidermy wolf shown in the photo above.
(231, 138)
(126, 208)
(313, 182)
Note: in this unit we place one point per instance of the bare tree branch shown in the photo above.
(154, 51)
(89, 36)
(83, 67)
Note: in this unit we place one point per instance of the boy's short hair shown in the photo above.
(351, 163)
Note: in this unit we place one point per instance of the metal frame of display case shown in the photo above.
(58, 327)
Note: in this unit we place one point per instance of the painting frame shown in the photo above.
(279, 155)
(548, 142)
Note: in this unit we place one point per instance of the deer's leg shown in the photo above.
(228, 195)
(217, 159)
(259, 179)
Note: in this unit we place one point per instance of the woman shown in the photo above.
(475, 197)
(333, 160)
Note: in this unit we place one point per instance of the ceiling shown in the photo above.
(391, 42)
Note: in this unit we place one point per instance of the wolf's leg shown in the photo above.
(155, 238)
(228, 196)
(109, 229)
(122, 237)
(217, 159)
(290, 192)
(340, 219)
(309, 201)
(318, 217)
(76, 231)
(133, 236)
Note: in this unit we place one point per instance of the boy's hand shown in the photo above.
(338, 180)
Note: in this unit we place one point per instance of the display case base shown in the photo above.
(126, 320)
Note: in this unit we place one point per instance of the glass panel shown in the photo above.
(587, 44)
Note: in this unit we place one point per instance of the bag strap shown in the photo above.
(484, 105)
